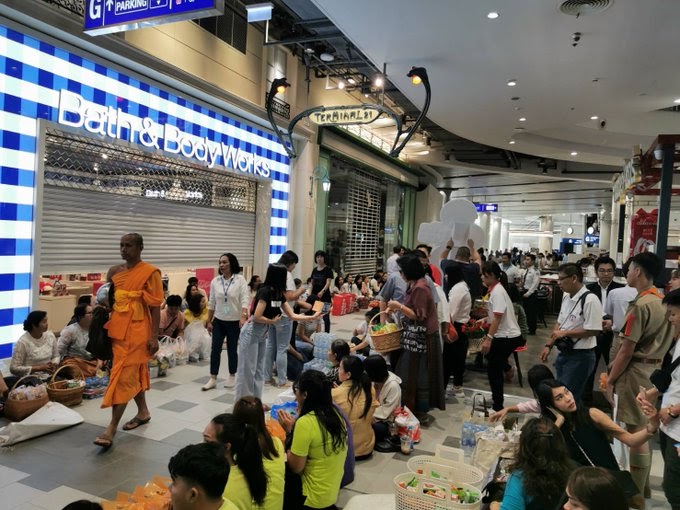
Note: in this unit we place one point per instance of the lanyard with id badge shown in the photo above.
(225, 304)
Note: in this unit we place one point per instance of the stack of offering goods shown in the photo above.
(475, 331)
(154, 495)
(95, 387)
(386, 337)
(23, 400)
(414, 491)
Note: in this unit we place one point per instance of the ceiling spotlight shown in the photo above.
(512, 142)
(594, 117)
(309, 50)
(574, 153)
(512, 83)
(677, 101)
(351, 81)
(492, 15)
(341, 84)
(280, 85)
(105, 156)
(522, 119)
(327, 57)
(379, 81)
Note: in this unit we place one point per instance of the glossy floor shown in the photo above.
(51, 471)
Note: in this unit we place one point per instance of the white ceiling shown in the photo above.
(625, 68)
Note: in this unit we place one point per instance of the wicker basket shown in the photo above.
(387, 342)
(409, 499)
(17, 410)
(438, 466)
(59, 392)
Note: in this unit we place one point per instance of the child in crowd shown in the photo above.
(536, 375)
(360, 337)
(388, 393)
(338, 350)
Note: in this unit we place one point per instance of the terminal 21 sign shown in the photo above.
(107, 16)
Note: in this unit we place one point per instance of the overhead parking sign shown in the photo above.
(108, 16)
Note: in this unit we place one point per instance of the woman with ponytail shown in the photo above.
(248, 483)
(356, 397)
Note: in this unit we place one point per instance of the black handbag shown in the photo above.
(661, 377)
(565, 344)
(99, 343)
(414, 337)
(624, 478)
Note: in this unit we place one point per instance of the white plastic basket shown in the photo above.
(414, 498)
(446, 464)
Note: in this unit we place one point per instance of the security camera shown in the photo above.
(602, 124)
(576, 37)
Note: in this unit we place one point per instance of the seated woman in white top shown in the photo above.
(36, 350)
(73, 340)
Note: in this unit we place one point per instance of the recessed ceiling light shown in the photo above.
(512, 83)
(492, 15)
(105, 156)
(379, 82)
(351, 81)
(594, 117)
(341, 84)
(677, 101)
(574, 153)
(522, 119)
(512, 142)
(327, 57)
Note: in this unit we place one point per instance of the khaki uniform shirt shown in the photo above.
(646, 324)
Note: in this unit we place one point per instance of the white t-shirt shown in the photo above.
(672, 397)
(617, 304)
(512, 273)
(571, 317)
(501, 304)
(238, 297)
(460, 302)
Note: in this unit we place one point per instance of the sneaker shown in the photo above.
(386, 447)
(212, 382)
(458, 392)
(231, 381)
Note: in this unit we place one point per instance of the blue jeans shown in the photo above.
(573, 369)
(277, 350)
(222, 329)
(304, 348)
(251, 352)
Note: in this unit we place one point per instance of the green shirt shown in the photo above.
(237, 490)
(324, 468)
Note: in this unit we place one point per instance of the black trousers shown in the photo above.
(604, 344)
(530, 304)
(454, 356)
(497, 361)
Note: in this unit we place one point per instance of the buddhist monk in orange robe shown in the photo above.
(133, 329)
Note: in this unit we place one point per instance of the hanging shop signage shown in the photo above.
(279, 106)
(591, 239)
(572, 240)
(643, 231)
(344, 115)
(77, 112)
(108, 16)
(486, 207)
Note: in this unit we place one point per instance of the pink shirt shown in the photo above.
(529, 407)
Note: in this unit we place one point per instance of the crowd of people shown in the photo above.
(346, 413)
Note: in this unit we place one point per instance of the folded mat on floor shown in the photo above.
(49, 418)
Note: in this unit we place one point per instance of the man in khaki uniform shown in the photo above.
(642, 344)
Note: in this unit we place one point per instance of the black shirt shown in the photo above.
(319, 278)
(273, 301)
(471, 273)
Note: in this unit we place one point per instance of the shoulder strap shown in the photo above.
(674, 365)
(581, 301)
(571, 433)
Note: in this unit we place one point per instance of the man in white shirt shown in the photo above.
(531, 280)
(580, 319)
(508, 268)
(391, 264)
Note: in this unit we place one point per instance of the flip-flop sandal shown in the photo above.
(135, 423)
(104, 442)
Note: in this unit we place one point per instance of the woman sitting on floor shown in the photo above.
(36, 351)
(73, 340)
(356, 397)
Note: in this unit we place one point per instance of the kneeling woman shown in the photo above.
(356, 397)
(319, 443)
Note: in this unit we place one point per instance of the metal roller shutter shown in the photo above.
(81, 231)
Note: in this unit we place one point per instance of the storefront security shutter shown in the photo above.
(81, 232)
(94, 192)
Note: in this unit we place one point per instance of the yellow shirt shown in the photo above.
(228, 505)
(362, 430)
(237, 490)
(324, 468)
(189, 317)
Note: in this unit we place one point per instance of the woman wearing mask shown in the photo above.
(420, 363)
(504, 335)
(356, 397)
(227, 313)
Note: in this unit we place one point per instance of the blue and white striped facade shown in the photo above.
(33, 76)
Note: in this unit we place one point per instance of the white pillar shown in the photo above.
(302, 207)
(605, 225)
(484, 223)
(614, 232)
(545, 243)
(495, 234)
(505, 235)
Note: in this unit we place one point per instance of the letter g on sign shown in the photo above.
(95, 9)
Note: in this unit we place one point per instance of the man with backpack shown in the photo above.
(574, 334)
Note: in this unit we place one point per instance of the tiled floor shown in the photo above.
(48, 472)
